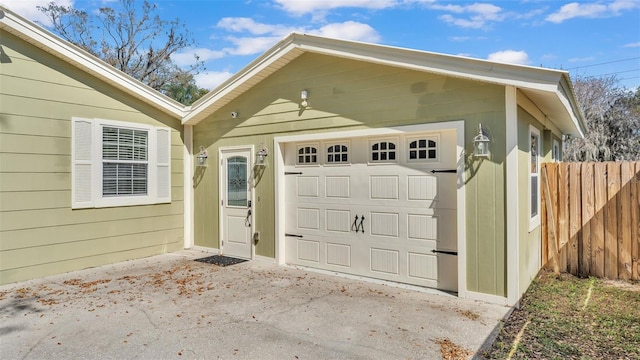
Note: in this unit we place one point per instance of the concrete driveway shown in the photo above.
(171, 307)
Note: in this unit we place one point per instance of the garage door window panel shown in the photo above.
(423, 149)
(307, 154)
(384, 151)
(337, 154)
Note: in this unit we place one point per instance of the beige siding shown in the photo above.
(40, 234)
(349, 95)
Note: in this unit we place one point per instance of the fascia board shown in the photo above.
(43, 39)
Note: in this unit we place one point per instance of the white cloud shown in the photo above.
(349, 30)
(584, 59)
(268, 34)
(510, 56)
(188, 56)
(479, 14)
(592, 10)
(211, 79)
(632, 45)
(302, 7)
(251, 45)
(28, 8)
(473, 24)
(460, 38)
(242, 24)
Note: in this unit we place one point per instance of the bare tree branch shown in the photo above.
(131, 38)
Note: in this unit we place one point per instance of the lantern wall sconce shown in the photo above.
(261, 156)
(201, 158)
(304, 96)
(481, 144)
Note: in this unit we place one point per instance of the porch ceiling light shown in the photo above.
(201, 158)
(481, 144)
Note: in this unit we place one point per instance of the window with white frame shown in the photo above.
(383, 151)
(338, 154)
(423, 149)
(119, 164)
(534, 177)
(556, 154)
(307, 154)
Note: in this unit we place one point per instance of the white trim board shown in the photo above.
(512, 207)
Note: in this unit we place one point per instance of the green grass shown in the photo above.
(562, 324)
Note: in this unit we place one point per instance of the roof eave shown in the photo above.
(539, 79)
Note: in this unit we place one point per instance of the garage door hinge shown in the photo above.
(453, 171)
(445, 252)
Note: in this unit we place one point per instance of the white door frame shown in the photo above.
(280, 191)
(222, 187)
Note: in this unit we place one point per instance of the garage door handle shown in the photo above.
(293, 235)
(358, 226)
(444, 252)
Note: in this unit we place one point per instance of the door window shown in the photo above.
(237, 181)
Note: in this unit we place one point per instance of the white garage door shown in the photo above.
(382, 207)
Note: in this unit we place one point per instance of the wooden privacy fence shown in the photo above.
(591, 218)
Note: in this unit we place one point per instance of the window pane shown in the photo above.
(534, 196)
(128, 174)
(237, 181)
(534, 153)
(423, 143)
(432, 143)
(423, 154)
(432, 154)
(413, 145)
(413, 155)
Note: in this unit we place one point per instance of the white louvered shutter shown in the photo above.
(163, 156)
(82, 163)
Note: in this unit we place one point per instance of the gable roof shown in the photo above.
(550, 90)
(43, 39)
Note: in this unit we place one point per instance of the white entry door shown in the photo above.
(235, 206)
(380, 207)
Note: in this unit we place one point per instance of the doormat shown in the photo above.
(221, 260)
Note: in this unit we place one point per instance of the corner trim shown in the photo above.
(511, 194)
(187, 189)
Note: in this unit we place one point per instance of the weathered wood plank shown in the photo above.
(611, 221)
(588, 213)
(597, 225)
(544, 221)
(562, 203)
(551, 221)
(635, 222)
(624, 226)
(575, 216)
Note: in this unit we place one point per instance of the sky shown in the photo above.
(587, 38)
